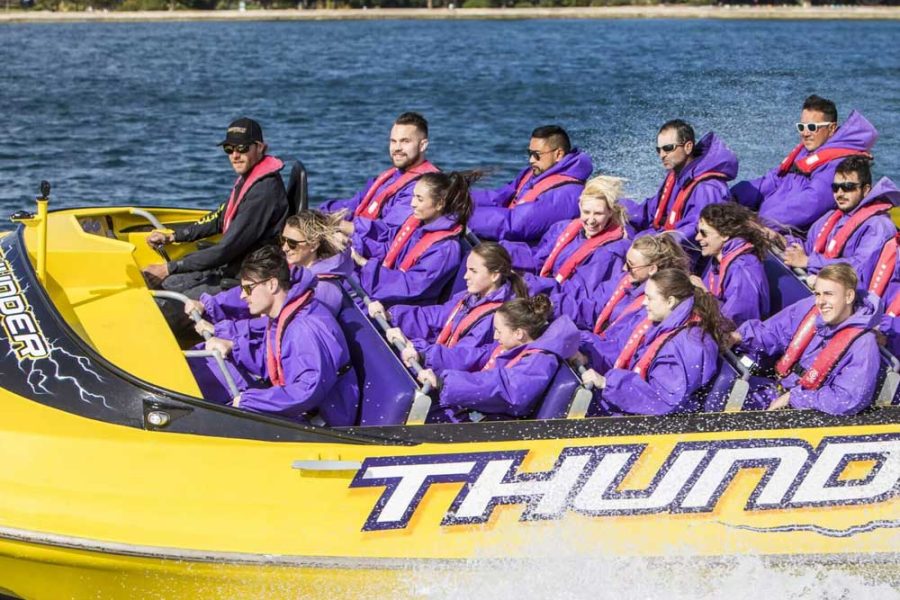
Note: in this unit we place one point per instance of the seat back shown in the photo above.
(297, 187)
(717, 397)
(560, 394)
(386, 387)
(785, 288)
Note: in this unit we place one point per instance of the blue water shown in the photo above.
(131, 113)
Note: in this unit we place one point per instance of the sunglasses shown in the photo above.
(292, 244)
(846, 186)
(241, 148)
(812, 127)
(536, 154)
(632, 268)
(668, 148)
(247, 288)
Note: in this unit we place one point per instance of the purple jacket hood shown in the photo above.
(560, 338)
(577, 164)
(856, 133)
(711, 155)
(301, 281)
(340, 264)
(884, 189)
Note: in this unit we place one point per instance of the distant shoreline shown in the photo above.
(598, 12)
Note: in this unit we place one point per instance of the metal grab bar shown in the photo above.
(741, 386)
(140, 212)
(891, 379)
(196, 318)
(422, 402)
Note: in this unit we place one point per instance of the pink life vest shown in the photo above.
(422, 246)
(492, 361)
(618, 294)
(834, 247)
(572, 230)
(715, 284)
(274, 367)
(264, 168)
(372, 203)
(884, 269)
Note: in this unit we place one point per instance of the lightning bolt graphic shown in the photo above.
(40, 371)
(839, 533)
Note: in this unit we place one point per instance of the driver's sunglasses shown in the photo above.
(292, 244)
(812, 127)
(241, 148)
(247, 288)
(536, 154)
(846, 186)
(668, 148)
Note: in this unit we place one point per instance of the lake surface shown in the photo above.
(131, 113)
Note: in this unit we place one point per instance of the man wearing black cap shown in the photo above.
(253, 215)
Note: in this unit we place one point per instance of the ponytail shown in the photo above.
(452, 190)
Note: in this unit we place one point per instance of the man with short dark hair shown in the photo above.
(542, 194)
(798, 191)
(856, 231)
(253, 215)
(379, 209)
(696, 176)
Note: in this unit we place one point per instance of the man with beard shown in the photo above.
(378, 210)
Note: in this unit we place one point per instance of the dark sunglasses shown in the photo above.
(241, 148)
(847, 186)
(292, 244)
(536, 154)
(668, 148)
(247, 288)
(813, 127)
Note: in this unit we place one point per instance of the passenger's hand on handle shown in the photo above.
(428, 376)
(734, 338)
(218, 344)
(795, 256)
(579, 359)
(202, 326)
(194, 305)
(409, 355)
(376, 309)
(395, 336)
(159, 238)
(592, 377)
(780, 402)
(357, 258)
(236, 402)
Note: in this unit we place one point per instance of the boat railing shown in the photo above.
(888, 389)
(214, 354)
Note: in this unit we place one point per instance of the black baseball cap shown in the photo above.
(244, 131)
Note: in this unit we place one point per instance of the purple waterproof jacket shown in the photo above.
(745, 292)
(394, 212)
(684, 364)
(228, 304)
(501, 392)
(316, 361)
(890, 325)
(603, 350)
(424, 281)
(422, 324)
(848, 389)
(711, 154)
(603, 264)
(492, 220)
(865, 244)
(584, 306)
(796, 200)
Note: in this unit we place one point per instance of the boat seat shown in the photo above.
(785, 288)
(387, 387)
(560, 394)
(726, 385)
(297, 187)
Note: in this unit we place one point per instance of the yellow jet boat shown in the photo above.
(117, 476)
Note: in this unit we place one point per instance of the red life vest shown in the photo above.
(815, 160)
(610, 234)
(422, 246)
(714, 283)
(827, 357)
(834, 247)
(681, 199)
(618, 294)
(372, 203)
(450, 335)
(492, 361)
(642, 367)
(273, 356)
(544, 185)
(884, 268)
(893, 308)
(265, 167)
(634, 340)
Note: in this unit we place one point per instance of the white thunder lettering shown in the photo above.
(815, 488)
(19, 323)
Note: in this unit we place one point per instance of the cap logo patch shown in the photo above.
(237, 130)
